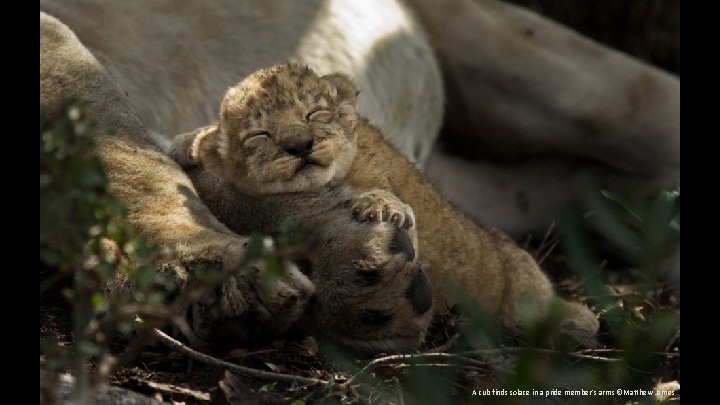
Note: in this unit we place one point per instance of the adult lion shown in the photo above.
(159, 68)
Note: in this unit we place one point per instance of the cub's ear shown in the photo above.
(344, 85)
(208, 148)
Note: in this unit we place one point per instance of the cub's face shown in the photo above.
(284, 129)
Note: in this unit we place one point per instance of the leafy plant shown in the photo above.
(112, 283)
(85, 236)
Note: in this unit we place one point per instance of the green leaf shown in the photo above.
(614, 228)
(268, 387)
(622, 202)
(255, 248)
(87, 349)
(98, 302)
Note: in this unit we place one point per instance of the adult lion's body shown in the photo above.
(289, 145)
(175, 60)
(519, 87)
(160, 67)
(149, 69)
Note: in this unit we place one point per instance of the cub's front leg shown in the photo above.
(183, 148)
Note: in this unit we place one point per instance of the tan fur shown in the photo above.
(487, 264)
(161, 200)
(357, 268)
(503, 278)
(543, 110)
(158, 68)
(265, 126)
(175, 60)
(119, 56)
(253, 183)
(524, 87)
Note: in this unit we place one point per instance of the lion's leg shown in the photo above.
(532, 88)
(161, 201)
(528, 196)
(518, 84)
(530, 297)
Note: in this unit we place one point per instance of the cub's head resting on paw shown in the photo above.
(282, 129)
(287, 130)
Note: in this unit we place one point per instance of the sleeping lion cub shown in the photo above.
(289, 144)
(286, 130)
(284, 143)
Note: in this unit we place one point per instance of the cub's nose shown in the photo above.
(301, 147)
(420, 293)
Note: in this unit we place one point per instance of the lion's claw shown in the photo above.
(381, 206)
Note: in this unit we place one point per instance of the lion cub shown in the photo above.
(286, 130)
(282, 147)
(292, 145)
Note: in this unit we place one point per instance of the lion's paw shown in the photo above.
(253, 304)
(580, 324)
(282, 298)
(381, 206)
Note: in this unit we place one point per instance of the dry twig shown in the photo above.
(415, 358)
(250, 372)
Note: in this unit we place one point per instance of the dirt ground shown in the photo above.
(163, 374)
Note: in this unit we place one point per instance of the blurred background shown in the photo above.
(646, 29)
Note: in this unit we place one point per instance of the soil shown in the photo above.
(169, 376)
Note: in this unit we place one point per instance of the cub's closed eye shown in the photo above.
(256, 134)
(317, 113)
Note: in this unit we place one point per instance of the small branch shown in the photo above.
(439, 365)
(577, 355)
(591, 357)
(675, 337)
(621, 351)
(250, 372)
(250, 354)
(547, 244)
(547, 253)
(176, 389)
(414, 358)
